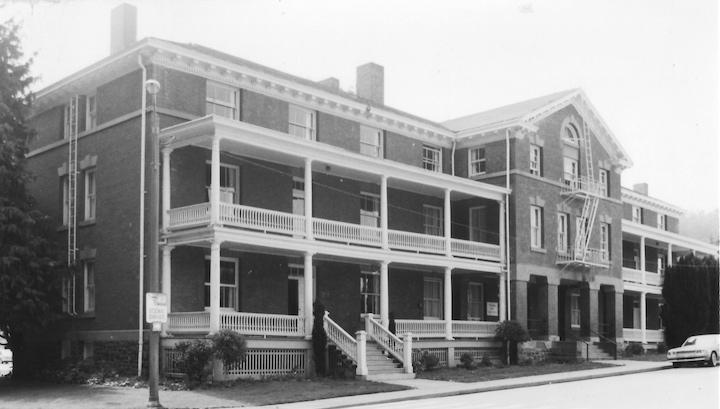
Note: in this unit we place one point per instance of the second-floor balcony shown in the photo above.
(573, 184)
(288, 224)
(589, 257)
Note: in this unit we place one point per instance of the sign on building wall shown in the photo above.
(156, 308)
(492, 309)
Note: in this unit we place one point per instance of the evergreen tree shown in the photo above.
(690, 290)
(29, 273)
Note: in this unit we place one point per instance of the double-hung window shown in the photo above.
(536, 227)
(477, 161)
(535, 160)
(229, 179)
(90, 198)
(90, 112)
(431, 159)
(369, 292)
(571, 174)
(432, 298)
(89, 286)
(478, 216)
(369, 209)
(301, 122)
(228, 282)
(562, 238)
(68, 294)
(433, 220)
(221, 100)
(475, 302)
(662, 221)
(605, 241)
(636, 214)
(604, 183)
(370, 141)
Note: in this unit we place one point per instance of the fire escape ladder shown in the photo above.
(590, 199)
(72, 133)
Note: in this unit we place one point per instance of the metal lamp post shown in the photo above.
(153, 87)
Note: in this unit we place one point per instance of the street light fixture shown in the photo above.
(153, 87)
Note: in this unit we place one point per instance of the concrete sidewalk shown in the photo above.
(423, 388)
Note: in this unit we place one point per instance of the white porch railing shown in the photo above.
(386, 339)
(188, 216)
(422, 243)
(632, 334)
(633, 275)
(474, 249)
(654, 335)
(349, 233)
(474, 329)
(338, 336)
(653, 279)
(188, 321)
(250, 323)
(421, 328)
(262, 219)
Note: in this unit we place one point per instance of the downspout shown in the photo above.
(141, 246)
(452, 157)
(507, 222)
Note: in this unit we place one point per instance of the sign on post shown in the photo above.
(156, 309)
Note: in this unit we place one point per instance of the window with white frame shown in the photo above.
(90, 191)
(301, 122)
(604, 182)
(571, 172)
(575, 309)
(66, 122)
(636, 214)
(229, 182)
(475, 302)
(535, 160)
(369, 209)
(90, 112)
(536, 227)
(433, 220)
(369, 292)
(431, 159)
(432, 298)
(478, 216)
(662, 221)
(65, 192)
(605, 241)
(562, 237)
(221, 100)
(371, 141)
(298, 193)
(228, 282)
(68, 294)
(89, 286)
(476, 161)
(570, 134)
(661, 262)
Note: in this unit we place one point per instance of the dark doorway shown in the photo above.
(293, 301)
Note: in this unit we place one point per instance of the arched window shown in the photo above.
(570, 133)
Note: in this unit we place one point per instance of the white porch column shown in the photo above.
(447, 224)
(167, 278)
(215, 183)
(384, 211)
(166, 188)
(308, 199)
(501, 283)
(642, 258)
(308, 289)
(214, 287)
(643, 317)
(384, 295)
(447, 298)
(669, 255)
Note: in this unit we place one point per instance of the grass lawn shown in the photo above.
(490, 373)
(295, 390)
(650, 356)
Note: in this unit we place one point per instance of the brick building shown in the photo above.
(277, 191)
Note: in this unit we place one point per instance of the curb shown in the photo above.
(501, 387)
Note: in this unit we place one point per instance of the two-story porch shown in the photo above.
(258, 224)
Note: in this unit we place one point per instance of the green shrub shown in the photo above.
(634, 348)
(467, 361)
(426, 362)
(511, 332)
(195, 359)
(229, 347)
(319, 337)
(485, 361)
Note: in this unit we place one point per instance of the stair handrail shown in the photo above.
(343, 340)
(606, 339)
(386, 339)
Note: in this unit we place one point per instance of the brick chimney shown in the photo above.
(370, 83)
(641, 188)
(123, 27)
(332, 83)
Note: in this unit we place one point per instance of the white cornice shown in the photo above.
(634, 198)
(664, 236)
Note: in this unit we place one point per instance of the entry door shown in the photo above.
(296, 296)
(475, 302)
(636, 314)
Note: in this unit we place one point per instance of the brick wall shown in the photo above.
(49, 127)
(403, 149)
(119, 97)
(264, 111)
(337, 286)
(406, 293)
(339, 132)
(180, 91)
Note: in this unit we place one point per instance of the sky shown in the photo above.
(650, 67)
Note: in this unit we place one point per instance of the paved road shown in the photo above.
(697, 388)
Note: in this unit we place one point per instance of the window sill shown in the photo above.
(86, 223)
(538, 250)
